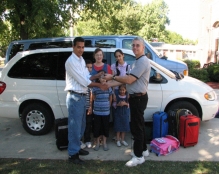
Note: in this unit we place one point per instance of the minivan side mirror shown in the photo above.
(156, 78)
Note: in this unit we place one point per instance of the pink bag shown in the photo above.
(165, 145)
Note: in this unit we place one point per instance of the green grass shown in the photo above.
(26, 166)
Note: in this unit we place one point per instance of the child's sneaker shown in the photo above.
(118, 143)
(135, 161)
(124, 143)
(88, 144)
(82, 145)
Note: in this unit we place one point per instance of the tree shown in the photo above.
(27, 19)
(155, 18)
(128, 17)
(175, 38)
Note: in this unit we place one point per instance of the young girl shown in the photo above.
(121, 119)
(120, 68)
(102, 102)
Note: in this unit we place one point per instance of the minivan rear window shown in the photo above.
(15, 49)
(40, 66)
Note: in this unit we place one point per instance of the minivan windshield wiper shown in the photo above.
(177, 75)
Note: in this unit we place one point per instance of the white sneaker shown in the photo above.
(124, 143)
(145, 153)
(82, 145)
(118, 143)
(135, 161)
(88, 144)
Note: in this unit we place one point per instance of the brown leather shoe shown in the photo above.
(75, 159)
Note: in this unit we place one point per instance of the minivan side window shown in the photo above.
(128, 58)
(107, 43)
(127, 44)
(35, 66)
(88, 43)
(15, 49)
(63, 56)
(43, 45)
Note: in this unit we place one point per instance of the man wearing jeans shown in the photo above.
(137, 86)
(77, 82)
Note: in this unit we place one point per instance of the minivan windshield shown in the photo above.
(164, 70)
(154, 50)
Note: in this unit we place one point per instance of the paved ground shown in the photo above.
(16, 143)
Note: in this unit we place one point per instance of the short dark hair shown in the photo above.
(88, 61)
(77, 39)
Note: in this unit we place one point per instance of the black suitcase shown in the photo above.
(173, 120)
(61, 133)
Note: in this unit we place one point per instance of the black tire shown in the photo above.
(37, 119)
(184, 105)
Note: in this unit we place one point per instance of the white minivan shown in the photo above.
(32, 88)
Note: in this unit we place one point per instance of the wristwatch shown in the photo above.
(114, 77)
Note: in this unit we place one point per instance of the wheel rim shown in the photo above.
(35, 120)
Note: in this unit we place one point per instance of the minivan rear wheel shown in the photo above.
(37, 119)
(184, 105)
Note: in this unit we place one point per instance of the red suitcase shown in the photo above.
(189, 130)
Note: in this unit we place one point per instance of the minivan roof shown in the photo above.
(44, 39)
(72, 38)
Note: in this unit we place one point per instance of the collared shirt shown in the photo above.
(77, 74)
(121, 68)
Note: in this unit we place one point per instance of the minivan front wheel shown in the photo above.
(37, 119)
(184, 105)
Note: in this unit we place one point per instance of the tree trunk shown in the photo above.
(23, 28)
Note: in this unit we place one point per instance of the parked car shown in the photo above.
(32, 88)
(112, 41)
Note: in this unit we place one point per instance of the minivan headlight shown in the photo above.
(210, 96)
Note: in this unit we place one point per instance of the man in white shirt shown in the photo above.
(77, 82)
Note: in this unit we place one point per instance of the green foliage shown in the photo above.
(25, 19)
(201, 74)
(154, 19)
(196, 72)
(192, 64)
(122, 18)
(213, 71)
(175, 38)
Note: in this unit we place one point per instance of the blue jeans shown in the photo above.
(76, 105)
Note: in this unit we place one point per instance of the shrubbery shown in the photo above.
(211, 73)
